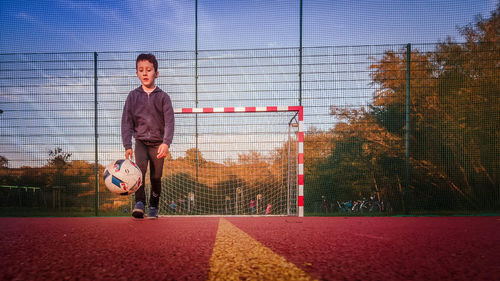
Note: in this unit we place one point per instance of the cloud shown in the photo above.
(25, 16)
(101, 11)
(171, 16)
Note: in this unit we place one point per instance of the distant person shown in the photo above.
(173, 206)
(185, 204)
(148, 116)
(325, 206)
(180, 204)
(227, 205)
(252, 206)
(268, 209)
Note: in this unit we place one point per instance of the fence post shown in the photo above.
(407, 132)
(196, 90)
(300, 53)
(96, 164)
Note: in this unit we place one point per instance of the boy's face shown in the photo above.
(146, 73)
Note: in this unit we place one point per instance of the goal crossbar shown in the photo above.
(300, 154)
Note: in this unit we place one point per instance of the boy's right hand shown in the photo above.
(129, 154)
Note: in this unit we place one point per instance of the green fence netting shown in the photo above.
(360, 140)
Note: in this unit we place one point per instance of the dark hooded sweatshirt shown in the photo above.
(148, 118)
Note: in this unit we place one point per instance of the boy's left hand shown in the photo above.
(162, 151)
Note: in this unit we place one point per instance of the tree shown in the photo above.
(318, 146)
(58, 162)
(4, 162)
(5, 174)
(363, 154)
(455, 108)
(193, 156)
(454, 122)
(251, 158)
(58, 158)
(227, 190)
(470, 98)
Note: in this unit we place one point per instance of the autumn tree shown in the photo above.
(455, 113)
(469, 99)
(318, 146)
(193, 156)
(454, 128)
(256, 168)
(4, 162)
(58, 162)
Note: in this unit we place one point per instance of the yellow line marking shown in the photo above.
(237, 256)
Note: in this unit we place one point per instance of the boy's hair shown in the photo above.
(149, 57)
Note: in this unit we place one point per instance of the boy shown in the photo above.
(149, 117)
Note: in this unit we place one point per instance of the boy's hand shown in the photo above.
(162, 151)
(129, 154)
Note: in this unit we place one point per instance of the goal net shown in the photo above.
(235, 161)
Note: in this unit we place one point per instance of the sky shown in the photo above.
(132, 25)
(148, 25)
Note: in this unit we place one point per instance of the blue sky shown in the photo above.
(148, 25)
(130, 25)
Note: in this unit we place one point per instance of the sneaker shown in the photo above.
(152, 213)
(138, 211)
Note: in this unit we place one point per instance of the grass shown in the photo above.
(418, 213)
(90, 212)
(345, 214)
(63, 212)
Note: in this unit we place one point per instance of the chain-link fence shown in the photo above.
(367, 147)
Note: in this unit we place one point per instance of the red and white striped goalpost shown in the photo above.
(300, 160)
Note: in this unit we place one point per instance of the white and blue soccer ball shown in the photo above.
(122, 177)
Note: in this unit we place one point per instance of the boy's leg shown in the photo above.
(155, 172)
(141, 159)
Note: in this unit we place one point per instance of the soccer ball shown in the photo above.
(123, 177)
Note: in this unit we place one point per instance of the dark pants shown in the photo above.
(146, 152)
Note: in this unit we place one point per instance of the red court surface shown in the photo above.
(179, 248)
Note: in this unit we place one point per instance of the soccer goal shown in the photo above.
(235, 161)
